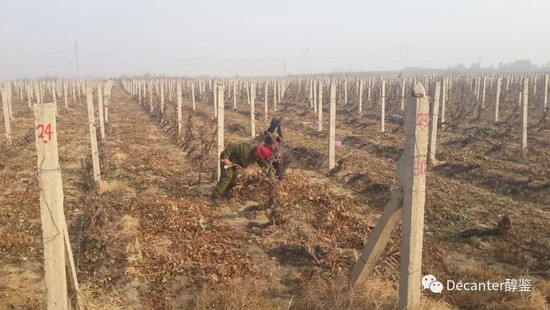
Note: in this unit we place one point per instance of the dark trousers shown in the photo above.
(282, 164)
(228, 180)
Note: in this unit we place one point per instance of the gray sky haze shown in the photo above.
(256, 37)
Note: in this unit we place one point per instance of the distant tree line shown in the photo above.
(521, 65)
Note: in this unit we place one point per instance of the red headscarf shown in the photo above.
(263, 152)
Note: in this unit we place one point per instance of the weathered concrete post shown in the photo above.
(252, 109)
(311, 96)
(10, 110)
(360, 103)
(220, 131)
(383, 107)
(406, 203)
(370, 84)
(332, 127)
(215, 98)
(6, 115)
(180, 104)
(545, 92)
(234, 96)
(193, 94)
(443, 99)
(51, 206)
(314, 96)
(54, 97)
(412, 177)
(433, 126)
(320, 108)
(277, 94)
(93, 134)
(403, 93)
(101, 111)
(478, 83)
(107, 96)
(151, 105)
(345, 90)
(265, 100)
(162, 97)
(499, 86)
(65, 95)
(247, 93)
(483, 92)
(524, 116)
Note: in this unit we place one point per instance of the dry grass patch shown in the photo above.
(236, 295)
(375, 294)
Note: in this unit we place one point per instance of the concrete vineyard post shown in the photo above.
(369, 89)
(101, 112)
(51, 207)
(443, 99)
(193, 95)
(332, 127)
(545, 92)
(499, 86)
(247, 93)
(311, 100)
(93, 134)
(7, 124)
(360, 103)
(162, 97)
(252, 107)
(433, 125)
(383, 108)
(402, 94)
(151, 97)
(279, 91)
(54, 96)
(276, 89)
(215, 99)
(483, 92)
(345, 91)
(478, 83)
(234, 97)
(107, 101)
(21, 91)
(65, 94)
(320, 108)
(524, 110)
(220, 131)
(265, 101)
(406, 203)
(412, 176)
(180, 103)
(315, 97)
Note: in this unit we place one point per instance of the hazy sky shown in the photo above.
(255, 37)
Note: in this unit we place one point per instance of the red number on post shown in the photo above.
(41, 134)
(420, 167)
(49, 131)
(45, 130)
(423, 119)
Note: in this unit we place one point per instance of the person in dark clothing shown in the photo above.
(269, 153)
(234, 157)
(281, 157)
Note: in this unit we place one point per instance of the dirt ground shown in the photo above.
(146, 236)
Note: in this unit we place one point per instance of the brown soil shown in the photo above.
(146, 236)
